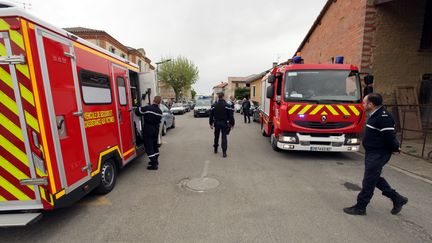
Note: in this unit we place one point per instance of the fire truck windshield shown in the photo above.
(322, 86)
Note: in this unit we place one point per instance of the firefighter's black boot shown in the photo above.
(398, 201)
(354, 210)
(215, 149)
(224, 154)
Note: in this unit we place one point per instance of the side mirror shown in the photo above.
(271, 79)
(369, 79)
(270, 92)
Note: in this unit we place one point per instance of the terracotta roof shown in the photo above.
(221, 85)
(82, 29)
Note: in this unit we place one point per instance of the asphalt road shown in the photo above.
(263, 196)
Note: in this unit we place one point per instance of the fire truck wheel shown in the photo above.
(164, 129)
(274, 143)
(108, 175)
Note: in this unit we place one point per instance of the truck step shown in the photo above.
(18, 219)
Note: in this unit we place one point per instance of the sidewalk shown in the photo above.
(411, 165)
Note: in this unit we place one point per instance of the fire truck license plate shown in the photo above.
(320, 148)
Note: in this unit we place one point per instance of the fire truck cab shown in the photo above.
(67, 121)
(312, 107)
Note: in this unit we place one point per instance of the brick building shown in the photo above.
(233, 84)
(107, 42)
(391, 39)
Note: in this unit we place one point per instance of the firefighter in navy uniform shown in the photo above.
(152, 118)
(222, 120)
(379, 143)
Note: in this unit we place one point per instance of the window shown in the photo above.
(140, 65)
(237, 85)
(121, 86)
(95, 88)
(112, 49)
(123, 55)
(253, 90)
(426, 40)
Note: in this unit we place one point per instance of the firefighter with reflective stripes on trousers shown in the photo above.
(150, 131)
(222, 119)
(379, 142)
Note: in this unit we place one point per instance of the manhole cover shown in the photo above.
(201, 184)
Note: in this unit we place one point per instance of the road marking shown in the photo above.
(205, 169)
(98, 201)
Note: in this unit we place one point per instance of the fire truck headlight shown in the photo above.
(353, 141)
(288, 139)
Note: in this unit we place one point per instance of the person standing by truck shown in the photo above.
(379, 143)
(246, 109)
(152, 118)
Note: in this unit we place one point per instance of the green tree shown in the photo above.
(179, 73)
(241, 93)
(193, 94)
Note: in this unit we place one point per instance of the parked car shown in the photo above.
(253, 107)
(186, 106)
(238, 106)
(168, 120)
(178, 108)
(202, 107)
(255, 114)
(191, 105)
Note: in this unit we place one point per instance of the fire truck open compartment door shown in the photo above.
(18, 175)
(123, 103)
(65, 110)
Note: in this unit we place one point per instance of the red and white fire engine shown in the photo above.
(67, 123)
(312, 107)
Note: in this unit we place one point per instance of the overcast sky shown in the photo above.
(222, 37)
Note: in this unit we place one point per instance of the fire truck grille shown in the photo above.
(319, 125)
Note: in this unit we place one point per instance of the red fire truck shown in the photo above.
(67, 122)
(312, 107)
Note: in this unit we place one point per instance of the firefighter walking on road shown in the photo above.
(246, 105)
(222, 120)
(150, 132)
(379, 143)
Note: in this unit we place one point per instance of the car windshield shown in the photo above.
(203, 103)
(177, 105)
(322, 85)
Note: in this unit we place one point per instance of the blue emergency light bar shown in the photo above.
(297, 60)
(339, 59)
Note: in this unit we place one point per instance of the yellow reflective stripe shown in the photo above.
(23, 69)
(9, 167)
(16, 152)
(3, 25)
(292, 110)
(6, 77)
(31, 121)
(317, 109)
(324, 113)
(3, 51)
(332, 110)
(2, 199)
(305, 109)
(128, 152)
(15, 36)
(27, 94)
(13, 190)
(60, 194)
(38, 107)
(344, 111)
(8, 102)
(354, 109)
(100, 158)
(11, 127)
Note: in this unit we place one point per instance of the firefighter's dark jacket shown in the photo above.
(152, 117)
(221, 111)
(380, 133)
